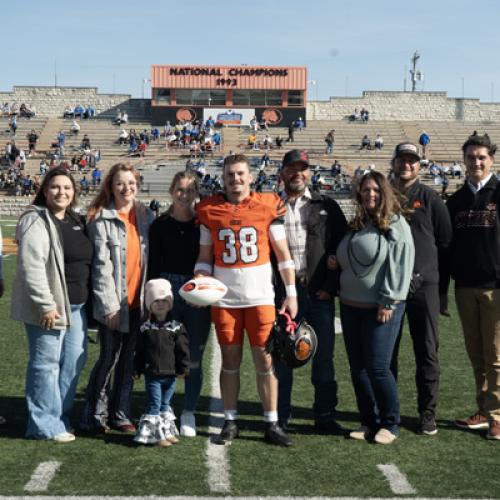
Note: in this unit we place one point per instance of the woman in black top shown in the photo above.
(173, 249)
(49, 294)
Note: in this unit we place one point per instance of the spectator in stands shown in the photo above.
(84, 185)
(132, 148)
(124, 118)
(376, 260)
(279, 141)
(13, 126)
(210, 123)
(268, 141)
(456, 170)
(6, 109)
(154, 206)
(379, 142)
(216, 138)
(25, 112)
(68, 112)
(142, 148)
(118, 117)
(167, 129)
(75, 127)
(123, 137)
(299, 124)
(355, 116)
(89, 112)
(79, 111)
(155, 134)
(21, 159)
(444, 183)
(85, 142)
(252, 140)
(364, 114)
(365, 143)
(263, 124)
(96, 176)
(43, 167)
(291, 131)
(32, 140)
(330, 142)
(424, 141)
(254, 124)
(336, 169)
(118, 228)
(48, 296)
(359, 172)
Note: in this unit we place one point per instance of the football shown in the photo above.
(203, 291)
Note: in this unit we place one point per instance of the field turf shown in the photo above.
(453, 464)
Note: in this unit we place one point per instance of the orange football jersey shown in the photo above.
(241, 247)
(240, 233)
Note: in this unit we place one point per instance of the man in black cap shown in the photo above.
(314, 226)
(431, 230)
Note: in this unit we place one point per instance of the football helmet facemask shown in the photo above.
(292, 343)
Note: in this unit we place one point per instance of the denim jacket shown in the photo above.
(109, 265)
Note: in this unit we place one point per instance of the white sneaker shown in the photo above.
(64, 437)
(147, 430)
(188, 424)
(168, 426)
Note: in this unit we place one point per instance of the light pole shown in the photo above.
(144, 81)
(314, 84)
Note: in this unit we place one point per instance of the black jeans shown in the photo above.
(422, 310)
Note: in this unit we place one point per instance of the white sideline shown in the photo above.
(42, 476)
(180, 497)
(397, 480)
(216, 455)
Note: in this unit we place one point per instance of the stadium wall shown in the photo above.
(405, 106)
(51, 101)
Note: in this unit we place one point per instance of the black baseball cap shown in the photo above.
(406, 148)
(296, 156)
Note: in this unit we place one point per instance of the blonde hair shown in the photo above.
(178, 176)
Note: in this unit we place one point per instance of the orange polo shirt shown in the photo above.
(133, 259)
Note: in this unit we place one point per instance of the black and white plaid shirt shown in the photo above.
(297, 213)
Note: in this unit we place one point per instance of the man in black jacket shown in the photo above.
(314, 226)
(475, 267)
(431, 229)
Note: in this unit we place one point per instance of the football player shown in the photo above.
(238, 231)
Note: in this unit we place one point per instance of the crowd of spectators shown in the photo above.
(79, 111)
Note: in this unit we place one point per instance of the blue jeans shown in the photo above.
(320, 315)
(197, 323)
(159, 391)
(369, 346)
(56, 359)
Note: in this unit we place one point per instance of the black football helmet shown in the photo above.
(292, 343)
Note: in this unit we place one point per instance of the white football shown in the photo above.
(203, 291)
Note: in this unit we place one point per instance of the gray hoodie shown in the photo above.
(40, 284)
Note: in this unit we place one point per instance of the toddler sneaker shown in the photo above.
(147, 430)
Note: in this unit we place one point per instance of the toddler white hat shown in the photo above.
(156, 290)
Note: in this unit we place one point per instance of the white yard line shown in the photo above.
(398, 482)
(180, 497)
(42, 476)
(219, 480)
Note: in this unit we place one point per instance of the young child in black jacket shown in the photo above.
(162, 354)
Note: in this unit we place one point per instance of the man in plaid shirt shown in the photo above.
(314, 226)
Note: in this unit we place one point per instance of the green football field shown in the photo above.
(453, 464)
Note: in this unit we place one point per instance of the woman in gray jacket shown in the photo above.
(49, 293)
(118, 228)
